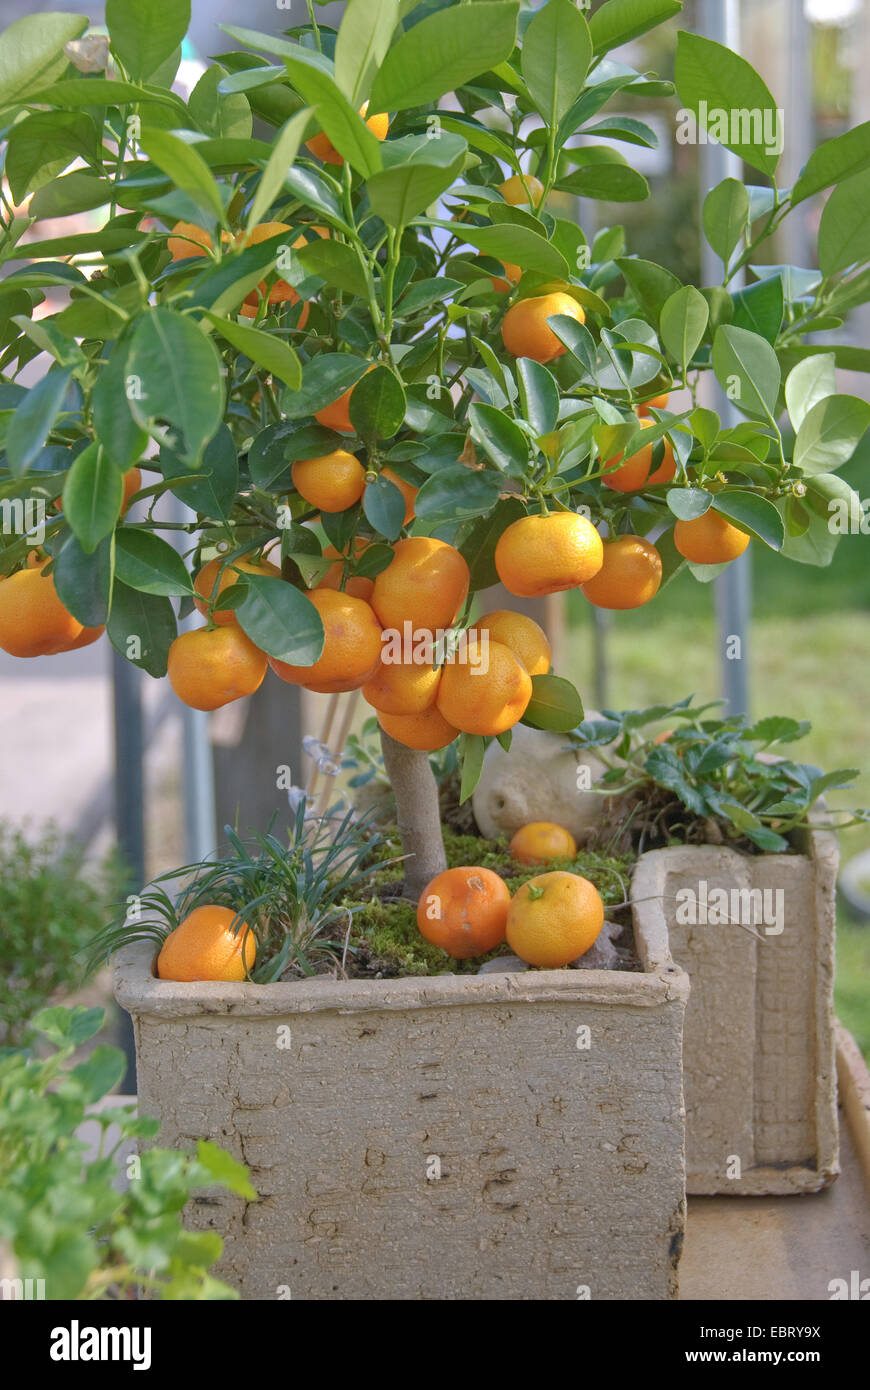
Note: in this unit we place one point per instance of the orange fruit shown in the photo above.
(331, 483)
(539, 555)
(408, 491)
(487, 693)
(86, 637)
(403, 687)
(425, 583)
(132, 484)
(33, 621)
(464, 911)
(629, 577)
(525, 332)
(525, 638)
(357, 585)
(322, 147)
(210, 666)
(554, 918)
(336, 415)
(281, 292)
(667, 469)
(513, 275)
(633, 473)
(204, 947)
(428, 731)
(211, 581)
(185, 239)
(657, 402)
(351, 647)
(709, 539)
(516, 190)
(541, 841)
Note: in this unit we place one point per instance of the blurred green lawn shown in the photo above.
(809, 657)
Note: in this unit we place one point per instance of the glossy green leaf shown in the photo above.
(752, 513)
(324, 379)
(44, 144)
(619, 21)
(417, 172)
(830, 433)
(747, 369)
(340, 120)
(284, 152)
(472, 748)
(146, 562)
(186, 167)
(608, 182)
(456, 494)
(844, 231)
(71, 193)
(377, 406)
(740, 111)
(557, 51)
(500, 437)
(760, 307)
(266, 349)
(384, 507)
(519, 245)
(281, 620)
(688, 503)
(92, 496)
(833, 161)
(174, 374)
(142, 628)
(31, 52)
(726, 217)
(651, 284)
(539, 395)
(213, 494)
(683, 323)
(555, 705)
(33, 419)
(144, 33)
(443, 52)
(478, 548)
(120, 435)
(364, 36)
(84, 581)
(808, 383)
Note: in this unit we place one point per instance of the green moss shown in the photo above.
(385, 929)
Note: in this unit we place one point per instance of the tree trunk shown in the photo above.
(419, 819)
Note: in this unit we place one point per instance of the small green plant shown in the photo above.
(711, 778)
(290, 896)
(51, 910)
(61, 1212)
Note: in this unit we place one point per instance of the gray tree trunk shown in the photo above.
(418, 813)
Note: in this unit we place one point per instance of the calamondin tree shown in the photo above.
(339, 304)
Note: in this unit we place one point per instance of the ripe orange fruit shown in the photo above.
(629, 577)
(525, 638)
(210, 666)
(428, 731)
(667, 469)
(513, 275)
(516, 190)
(351, 646)
(464, 911)
(425, 583)
(33, 621)
(554, 918)
(132, 484)
(541, 841)
(484, 696)
(185, 239)
(211, 581)
(539, 555)
(336, 415)
(204, 947)
(633, 473)
(86, 638)
(331, 483)
(408, 491)
(322, 147)
(657, 403)
(403, 687)
(525, 332)
(357, 585)
(281, 292)
(709, 539)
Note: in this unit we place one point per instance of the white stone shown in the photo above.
(541, 779)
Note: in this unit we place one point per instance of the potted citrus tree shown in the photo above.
(370, 347)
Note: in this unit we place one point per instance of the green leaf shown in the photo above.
(472, 750)
(84, 581)
(557, 51)
(101, 91)
(362, 44)
(737, 101)
(63, 1026)
(71, 193)
(224, 115)
(214, 494)
(122, 438)
(760, 307)
(174, 374)
(747, 369)
(834, 160)
(281, 620)
(284, 152)
(144, 33)
(554, 705)
(500, 437)
(830, 433)
(456, 494)
(92, 496)
(31, 52)
(186, 167)
(377, 406)
(324, 379)
(478, 548)
(417, 172)
(752, 513)
(336, 263)
(42, 145)
(266, 349)
(444, 51)
(625, 128)
(726, 217)
(651, 284)
(33, 420)
(148, 563)
(688, 503)
(226, 1170)
(610, 182)
(539, 395)
(618, 21)
(510, 242)
(142, 628)
(100, 1073)
(341, 121)
(277, 446)
(808, 383)
(844, 231)
(683, 323)
(384, 507)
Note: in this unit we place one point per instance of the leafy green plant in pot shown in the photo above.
(378, 366)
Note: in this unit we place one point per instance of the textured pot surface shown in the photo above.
(459, 1137)
(758, 1053)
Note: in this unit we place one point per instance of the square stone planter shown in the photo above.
(758, 1055)
(502, 1136)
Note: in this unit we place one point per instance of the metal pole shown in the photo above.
(720, 21)
(129, 809)
(199, 803)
